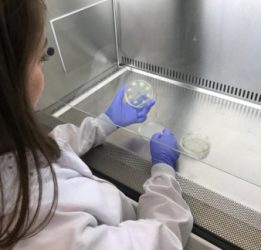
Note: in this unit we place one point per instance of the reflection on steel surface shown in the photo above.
(233, 128)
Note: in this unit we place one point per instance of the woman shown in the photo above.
(49, 197)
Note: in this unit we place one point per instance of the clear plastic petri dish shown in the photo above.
(138, 93)
(195, 144)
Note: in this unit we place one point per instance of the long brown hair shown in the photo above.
(21, 29)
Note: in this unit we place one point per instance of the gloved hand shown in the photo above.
(122, 114)
(162, 148)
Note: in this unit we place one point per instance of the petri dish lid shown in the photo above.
(138, 93)
(195, 144)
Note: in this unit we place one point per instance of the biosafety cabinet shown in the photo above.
(203, 61)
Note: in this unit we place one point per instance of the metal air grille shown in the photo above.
(195, 80)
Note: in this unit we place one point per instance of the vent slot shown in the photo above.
(194, 80)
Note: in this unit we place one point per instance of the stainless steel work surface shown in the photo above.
(233, 126)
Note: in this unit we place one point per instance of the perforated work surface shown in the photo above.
(229, 220)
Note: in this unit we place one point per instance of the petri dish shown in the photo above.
(138, 93)
(148, 129)
(195, 144)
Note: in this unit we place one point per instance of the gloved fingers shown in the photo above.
(176, 141)
(166, 131)
(156, 137)
(142, 98)
(176, 144)
(120, 94)
(142, 119)
(141, 113)
(149, 105)
(145, 110)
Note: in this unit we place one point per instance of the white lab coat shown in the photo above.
(93, 214)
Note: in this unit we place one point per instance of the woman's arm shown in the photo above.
(164, 220)
(162, 201)
(91, 133)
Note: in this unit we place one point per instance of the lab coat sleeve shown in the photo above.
(164, 223)
(162, 201)
(91, 133)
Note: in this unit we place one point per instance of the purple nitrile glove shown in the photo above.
(122, 114)
(163, 148)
